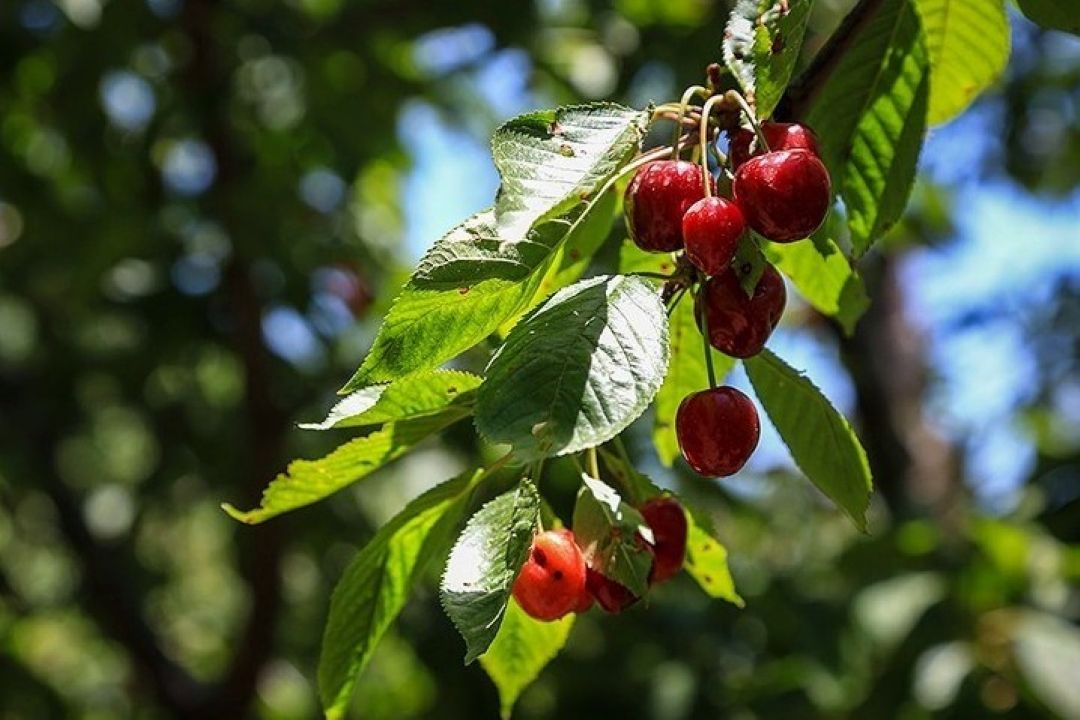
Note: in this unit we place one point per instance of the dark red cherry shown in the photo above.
(718, 430)
(711, 230)
(784, 194)
(780, 136)
(656, 200)
(552, 579)
(667, 520)
(739, 325)
(610, 595)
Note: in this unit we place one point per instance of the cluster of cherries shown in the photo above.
(781, 190)
(556, 579)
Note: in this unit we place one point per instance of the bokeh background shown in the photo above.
(205, 208)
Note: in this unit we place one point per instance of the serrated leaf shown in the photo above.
(484, 562)
(706, 561)
(554, 165)
(376, 585)
(1052, 14)
(870, 118)
(425, 393)
(968, 42)
(824, 277)
(588, 231)
(551, 160)
(308, 481)
(522, 648)
(686, 374)
(435, 318)
(577, 370)
(606, 529)
(821, 441)
(761, 47)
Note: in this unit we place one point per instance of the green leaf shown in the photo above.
(633, 259)
(606, 528)
(590, 229)
(463, 289)
(870, 118)
(424, 393)
(761, 47)
(686, 374)
(968, 41)
(706, 561)
(706, 557)
(484, 562)
(1052, 14)
(308, 481)
(820, 439)
(577, 370)
(522, 649)
(551, 160)
(554, 166)
(377, 583)
(824, 277)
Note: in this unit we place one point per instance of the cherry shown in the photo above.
(718, 430)
(656, 200)
(780, 136)
(783, 194)
(613, 597)
(711, 229)
(667, 520)
(552, 579)
(739, 325)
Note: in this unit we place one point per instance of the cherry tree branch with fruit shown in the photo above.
(717, 217)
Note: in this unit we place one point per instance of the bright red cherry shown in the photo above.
(780, 136)
(667, 520)
(610, 595)
(656, 200)
(711, 229)
(552, 579)
(784, 194)
(739, 325)
(718, 430)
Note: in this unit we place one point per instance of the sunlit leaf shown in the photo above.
(761, 47)
(308, 481)
(376, 585)
(484, 562)
(521, 650)
(577, 370)
(870, 117)
(820, 439)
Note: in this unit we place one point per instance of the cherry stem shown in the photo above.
(687, 95)
(675, 301)
(705, 336)
(706, 112)
(653, 275)
(751, 117)
(594, 464)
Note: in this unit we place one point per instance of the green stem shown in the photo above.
(653, 275)
(751, 117)
(594, 464)
(703, 126)
(689, 93)
(675, 301)
(705, 339)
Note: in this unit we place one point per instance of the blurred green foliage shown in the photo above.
(200, 225)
